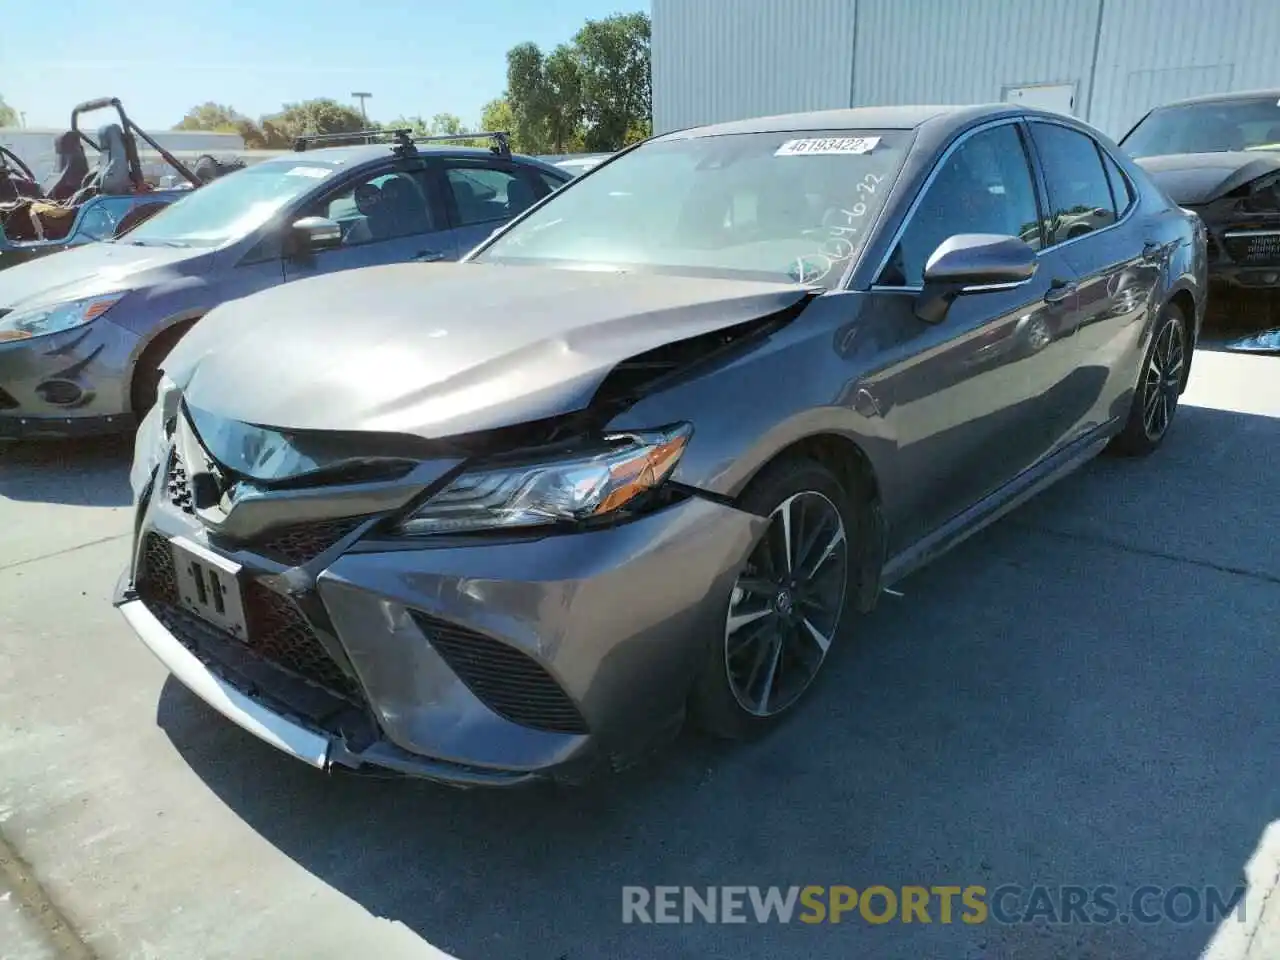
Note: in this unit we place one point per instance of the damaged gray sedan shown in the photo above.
(651, 449)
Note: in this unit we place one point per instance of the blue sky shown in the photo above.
(161, 57)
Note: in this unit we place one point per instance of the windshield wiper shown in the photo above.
(159, 243)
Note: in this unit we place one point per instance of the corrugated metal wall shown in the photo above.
(944, 51)
(717, 60)
(724, 59)
(1153, 51)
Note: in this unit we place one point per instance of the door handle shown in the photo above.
(428, 256)
(1059, 290)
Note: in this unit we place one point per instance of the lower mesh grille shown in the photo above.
(297, 545)
(177, 487)
(509, 683)
(278, 630)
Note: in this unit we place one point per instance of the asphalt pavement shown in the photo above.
(1084, 695)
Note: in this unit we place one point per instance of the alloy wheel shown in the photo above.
(786, 605)
(1162, 381)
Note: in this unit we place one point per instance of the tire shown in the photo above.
(729, 697)
(1160, 382)
(146, 373)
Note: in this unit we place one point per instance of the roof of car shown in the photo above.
(853, 118)
(1239, 95)
(365, 152)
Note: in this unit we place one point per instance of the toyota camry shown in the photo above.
(651, 450)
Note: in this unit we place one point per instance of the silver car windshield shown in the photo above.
(231, 206)
(1207, 128)
(791, 207)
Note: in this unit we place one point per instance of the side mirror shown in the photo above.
(970, 263)
(312, 234)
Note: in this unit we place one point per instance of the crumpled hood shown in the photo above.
(1197, 178)
(446, 349)
(86, 271)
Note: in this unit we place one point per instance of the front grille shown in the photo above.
(1254, 250)
(509, 683)
(177, 487)
(278, 630)
(298, 544)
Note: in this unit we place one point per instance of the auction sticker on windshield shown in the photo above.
(319, 173)
(826, 146)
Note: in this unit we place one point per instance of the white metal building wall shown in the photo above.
(1195, 47)
(945, 51)
(718, 60)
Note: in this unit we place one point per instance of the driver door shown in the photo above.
(973, 396)
(391, 215)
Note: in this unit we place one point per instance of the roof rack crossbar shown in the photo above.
(372, 135)
(405, 139)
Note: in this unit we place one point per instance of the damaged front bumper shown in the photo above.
(68, 384)
(471, 662)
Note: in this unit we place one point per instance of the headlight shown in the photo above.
(537, 494)
(55, 317)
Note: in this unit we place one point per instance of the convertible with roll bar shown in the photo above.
(81, 205)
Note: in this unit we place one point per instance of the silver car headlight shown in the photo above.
(547, 492)
(24, 323)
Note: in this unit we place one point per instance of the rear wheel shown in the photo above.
(787, 606)
(1155, 401)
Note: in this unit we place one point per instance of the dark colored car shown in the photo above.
(652, 448)
(1219, 155)
(82, 333)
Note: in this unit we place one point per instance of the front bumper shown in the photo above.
(68, 384)
(484, 664)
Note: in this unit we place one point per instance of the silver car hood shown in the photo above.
(442, 350)
(85, 271)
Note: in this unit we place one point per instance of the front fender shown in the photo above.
(802, 381)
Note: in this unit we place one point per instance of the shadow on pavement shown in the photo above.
(85, 472)
(1060, 701)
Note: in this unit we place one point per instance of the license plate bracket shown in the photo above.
(210, 586)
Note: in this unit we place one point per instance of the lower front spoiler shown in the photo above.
(65, 428)
(312, 747)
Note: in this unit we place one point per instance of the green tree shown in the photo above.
(8, 115)
(617, 80)
(224, 119)
(545, 96)
(319, 116)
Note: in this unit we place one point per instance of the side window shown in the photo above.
(983, 186)
(551, 183)
(1079, 193)
(384, 206)
(484, 193)
(1121, 192)
(100, 220)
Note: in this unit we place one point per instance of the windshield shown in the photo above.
(1207, 128)
(231, 206)
(791, 207)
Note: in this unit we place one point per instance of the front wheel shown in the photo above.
(787, 605)
(1155, 401)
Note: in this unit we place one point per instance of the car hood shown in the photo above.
(447, 349)
(86, 271)
(1197, 178)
